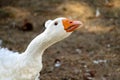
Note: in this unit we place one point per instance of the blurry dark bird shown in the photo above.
(57, 63)
(26, 26)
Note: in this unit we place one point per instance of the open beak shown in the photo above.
(70, 25)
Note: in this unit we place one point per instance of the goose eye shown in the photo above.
(56, 23)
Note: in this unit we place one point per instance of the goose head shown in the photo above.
(61, 28)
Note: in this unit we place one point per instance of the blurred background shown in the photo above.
(91, 53)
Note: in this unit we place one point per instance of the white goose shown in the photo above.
(26, 66)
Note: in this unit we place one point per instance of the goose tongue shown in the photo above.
(70, 25)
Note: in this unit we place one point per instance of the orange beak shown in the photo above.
(70, 25)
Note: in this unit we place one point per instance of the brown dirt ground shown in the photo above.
(98, 40)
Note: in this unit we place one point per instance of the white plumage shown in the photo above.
(27, 65)
(97, 13)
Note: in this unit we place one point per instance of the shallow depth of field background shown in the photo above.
(91, 52)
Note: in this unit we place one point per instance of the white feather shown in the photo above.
(97, 12)
(27, 65)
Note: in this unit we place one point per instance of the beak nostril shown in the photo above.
(71, 22)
